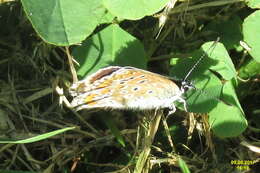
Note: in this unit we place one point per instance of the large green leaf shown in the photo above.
(64, 22)
(111, 46)
(205, 97)
(253, 3)
(229, 95)
(249, 69)
(251, 33)
(209, 87)
(224, 65)
(134, 9)
(227, 119)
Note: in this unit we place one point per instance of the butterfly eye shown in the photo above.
(185, 85)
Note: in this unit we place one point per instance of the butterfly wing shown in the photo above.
(124, 88)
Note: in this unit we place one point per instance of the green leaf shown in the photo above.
(227, 120)
(251, 34)
(205, 97)
(111, 46)
(208, 85)
(229, 31)
(107, 18)
(134, 9)
(229, 95)
(184, 167)
(36, 138)
(249, 69)
(224, 65)
(253, 3)
(108, 120)
(64, 22)
(217, 60)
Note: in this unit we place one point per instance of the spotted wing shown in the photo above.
(124, 88)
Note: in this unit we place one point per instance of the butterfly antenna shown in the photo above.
(204, 54)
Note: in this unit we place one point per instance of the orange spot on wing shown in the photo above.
(105, 91)
(104, 84)
(90, 98)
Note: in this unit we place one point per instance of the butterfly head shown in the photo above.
(186, 85)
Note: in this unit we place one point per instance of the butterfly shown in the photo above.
(124, 88)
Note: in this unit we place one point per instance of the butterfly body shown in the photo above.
(117, 87)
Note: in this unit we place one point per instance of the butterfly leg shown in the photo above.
(62, 98)
(181, 100)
